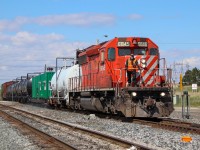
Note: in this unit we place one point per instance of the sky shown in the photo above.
(34, 32)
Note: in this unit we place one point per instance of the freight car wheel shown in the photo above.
(51, 106)
(58, 106)
(22, 100)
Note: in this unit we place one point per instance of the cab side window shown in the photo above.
(111, 54)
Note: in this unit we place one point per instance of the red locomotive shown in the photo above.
(102, 81)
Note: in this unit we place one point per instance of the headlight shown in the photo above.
(143, 61)
(143, 65)
(134, 94)
(162, 94)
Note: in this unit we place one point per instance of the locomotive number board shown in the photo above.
(142, 44)
(123, 44)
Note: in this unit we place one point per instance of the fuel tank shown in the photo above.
(63, 76)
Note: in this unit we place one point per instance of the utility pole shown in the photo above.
(176, 72)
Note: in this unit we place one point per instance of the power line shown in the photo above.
(178, 43)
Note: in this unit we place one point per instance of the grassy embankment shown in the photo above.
(194, 97)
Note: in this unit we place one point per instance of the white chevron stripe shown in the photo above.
(150, 80)
(150, 69)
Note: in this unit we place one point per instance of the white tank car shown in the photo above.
(63, 82)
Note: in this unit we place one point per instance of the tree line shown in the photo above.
(192, 76)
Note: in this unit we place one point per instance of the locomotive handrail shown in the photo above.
(168, 77)
(164, 64)
(57, 58)
(120, 69)
(120, 77)
(119, 80)
(88, 82)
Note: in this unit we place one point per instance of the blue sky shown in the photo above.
(33, 33)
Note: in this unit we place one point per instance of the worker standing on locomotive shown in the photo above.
(131, 68)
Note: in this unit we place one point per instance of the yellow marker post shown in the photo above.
(186, 139)
(181, 82)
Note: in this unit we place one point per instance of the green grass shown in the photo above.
(194, 97)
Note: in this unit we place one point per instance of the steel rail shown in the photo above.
(52, 140)
(172, 125)
(110, 138)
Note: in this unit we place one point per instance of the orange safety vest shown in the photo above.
(132, 65)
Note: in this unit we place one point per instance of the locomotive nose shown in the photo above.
(150, 102)
(151, 107)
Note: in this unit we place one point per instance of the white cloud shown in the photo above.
(3, 68)
(25, 49)
(65, 49)
(82, 19)
(182, 56)
(79, 19)
(135, 16)
(39, 44)
(23, 38)
(13, 24)
(192, 61)
(53, 37)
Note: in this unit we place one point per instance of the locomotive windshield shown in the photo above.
(128, 51)
(124, 51)
(139, 51)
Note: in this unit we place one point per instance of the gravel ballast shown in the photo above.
(162, 139)
(12, 139)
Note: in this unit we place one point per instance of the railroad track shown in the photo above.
(66, 134)
(41, 138)
(163, 123)
(171, 124)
